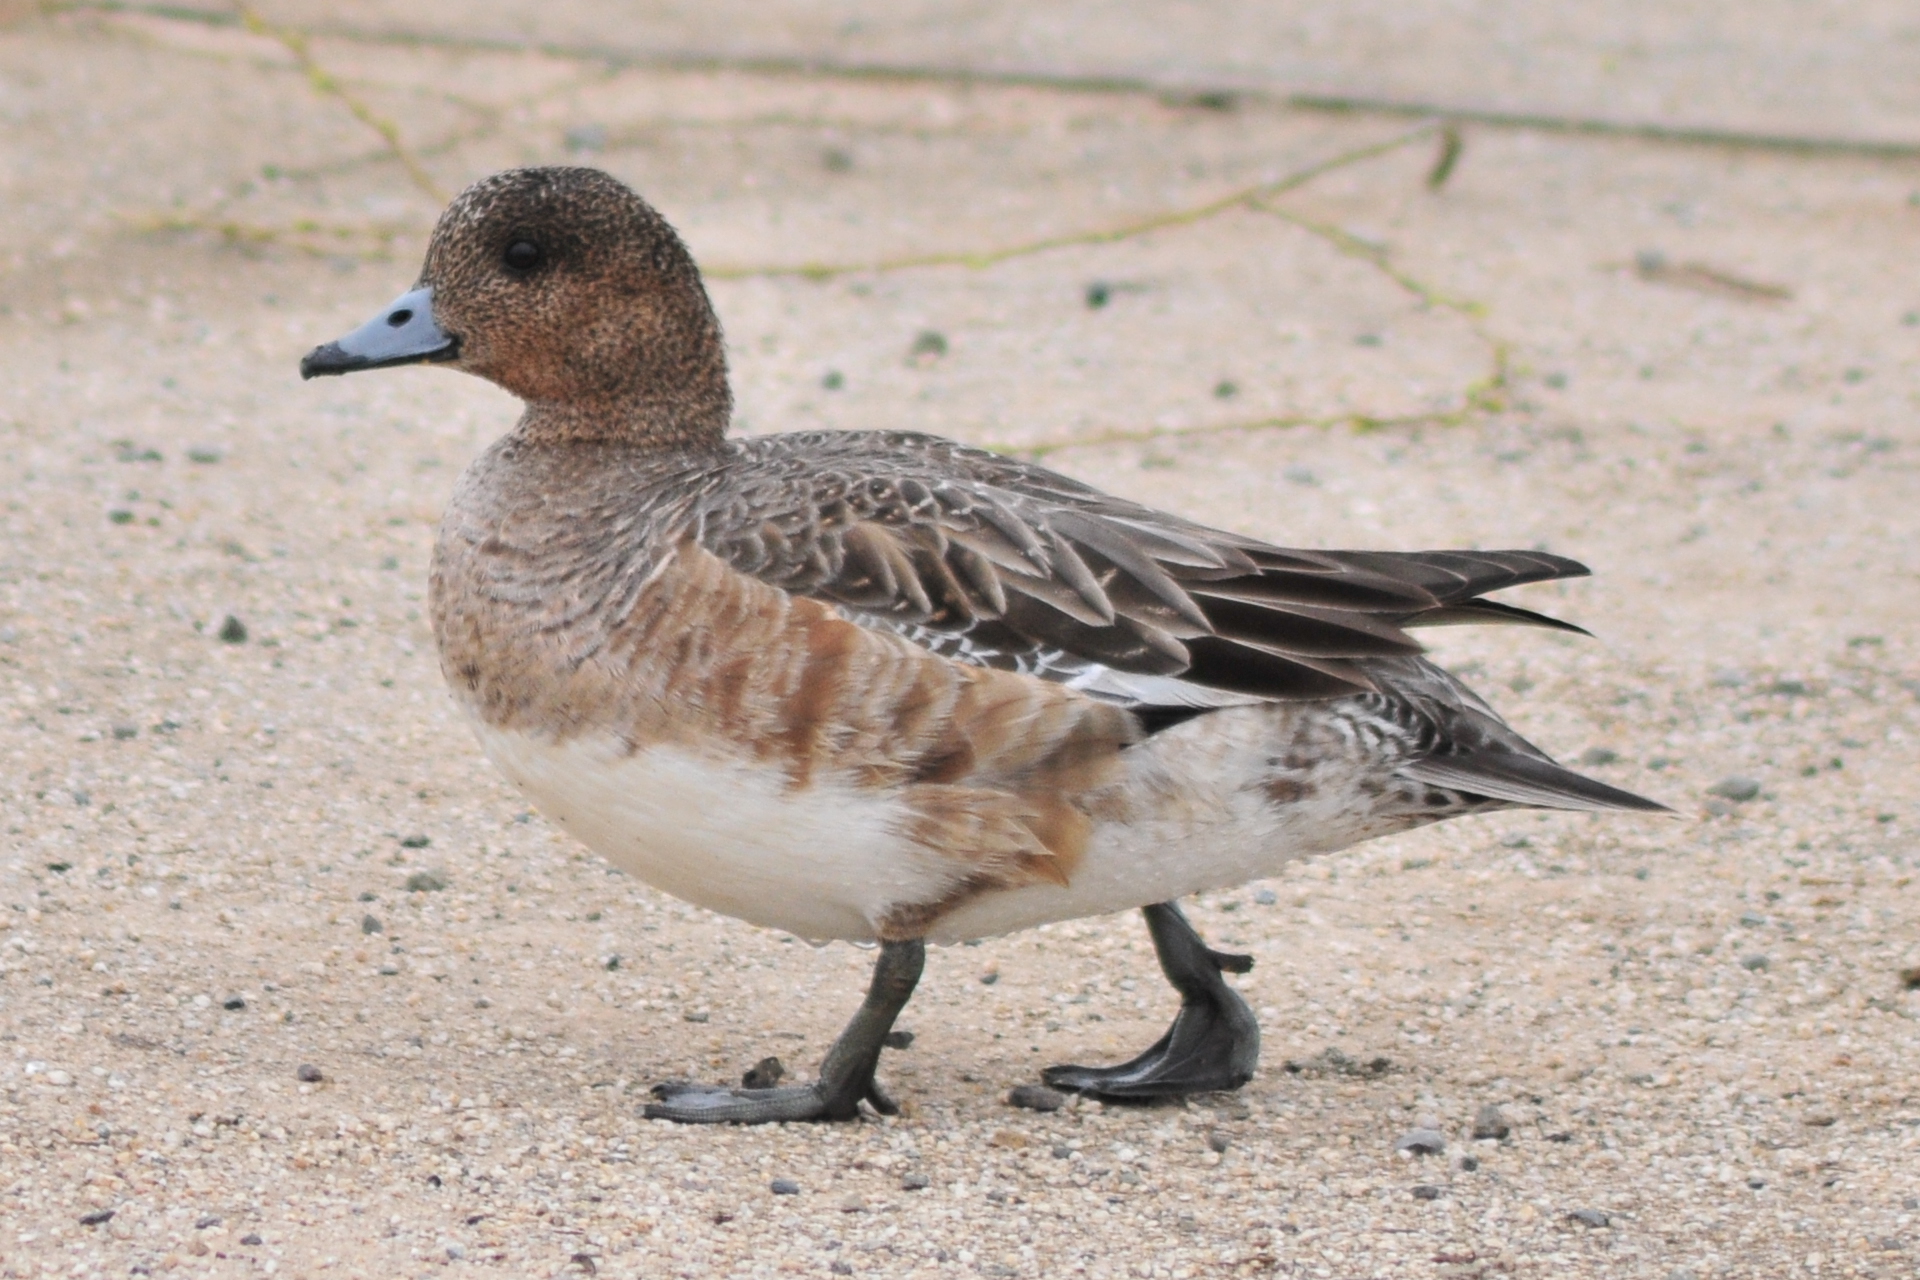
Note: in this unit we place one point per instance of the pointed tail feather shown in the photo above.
(1482, 611)
(1525, 780)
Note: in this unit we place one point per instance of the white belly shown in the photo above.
(824, 862)
(829, 861)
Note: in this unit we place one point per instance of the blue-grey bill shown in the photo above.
(403, 333)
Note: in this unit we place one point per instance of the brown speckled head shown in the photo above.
(567, 289)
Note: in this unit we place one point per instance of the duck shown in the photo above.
(886, 688)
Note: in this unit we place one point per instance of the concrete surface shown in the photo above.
(1697, 368)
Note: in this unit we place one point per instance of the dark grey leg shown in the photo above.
(846, 1076)
(1214, 1042)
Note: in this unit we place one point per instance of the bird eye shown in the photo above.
(522, 255)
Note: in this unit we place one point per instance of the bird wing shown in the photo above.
(997, 562)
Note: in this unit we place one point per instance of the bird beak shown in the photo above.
(403, 333)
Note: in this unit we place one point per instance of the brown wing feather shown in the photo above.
(920, 533)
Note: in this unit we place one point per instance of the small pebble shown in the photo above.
(784, 1187)
(898, 1040)
(211, 1220)
(840, 1267)
(990, 977)
(1755, 963)
(1333, 1062)
(914, 1182)
(415, 842)
(1036, 1097)
(233, 1004)
(764, 1074)
(695, 1015)
(389, 970)
(1218, 1142)
(1422, 1142)
(426, 882)
(1595, 1218)
(371, 924)
(1426, 1191)
(204, 454)
(251, 1238)
(1469, 1164)
(232, 630)
(307, 1073)
(1061, 1151)
(455, 1252)
(95, 1218)
(123, 731)
(1489, 1123)
(1735, 788)
(1265, 897)
(1599, 756)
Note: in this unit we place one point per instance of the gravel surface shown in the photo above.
(291, 983)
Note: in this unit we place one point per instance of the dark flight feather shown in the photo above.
(906, 530)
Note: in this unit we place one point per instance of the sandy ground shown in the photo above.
(290, 983)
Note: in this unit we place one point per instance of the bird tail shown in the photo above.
(1533, 781)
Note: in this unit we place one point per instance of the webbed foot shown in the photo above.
(1214, 1042)
(691, 1103)
(846, 1076)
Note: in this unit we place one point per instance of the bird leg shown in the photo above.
(846, 1074)
(1214, 1042)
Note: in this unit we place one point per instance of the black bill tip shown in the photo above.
(404, 333)
(332, 359)
(329, 361)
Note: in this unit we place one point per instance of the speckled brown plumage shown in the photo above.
(611, 337)
(982, 644)
(881, 686)
(570, 598)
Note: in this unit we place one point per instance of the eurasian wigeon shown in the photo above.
(882, 687)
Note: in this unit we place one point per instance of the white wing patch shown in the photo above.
(1128, 689)
(1131, 689)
